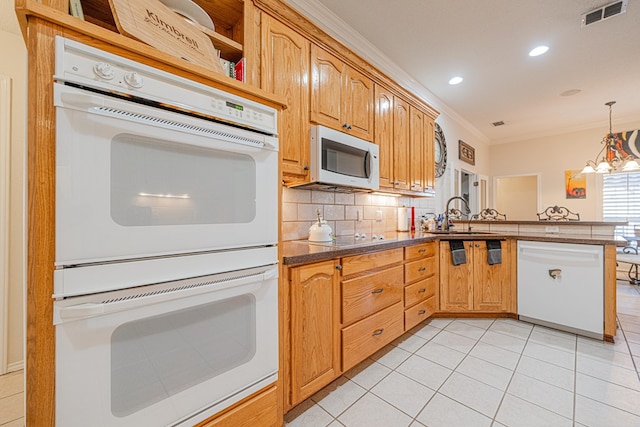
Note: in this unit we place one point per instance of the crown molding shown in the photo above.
(333, 25)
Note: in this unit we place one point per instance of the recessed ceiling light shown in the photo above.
(455, 80)
(537, 51)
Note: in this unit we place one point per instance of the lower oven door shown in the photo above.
(167, 354)
(135, 181)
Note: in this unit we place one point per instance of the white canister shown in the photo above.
(403, 219)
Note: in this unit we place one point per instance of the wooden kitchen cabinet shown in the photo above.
(417, 146)
(476, 285)
(420, 273)
(405, 136)
(372, 309)
(401, 144)
(315, 328)
(285, 71)
(341, 97)
(256, 411)
(429, 165)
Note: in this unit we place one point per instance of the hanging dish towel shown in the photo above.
(458, 254)
(494, 252)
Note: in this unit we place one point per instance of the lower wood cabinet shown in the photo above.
(369, 335)
(258, 411)
(420, 276)
(314, 328)
(477, 285)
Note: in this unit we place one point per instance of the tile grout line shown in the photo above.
(504, 394)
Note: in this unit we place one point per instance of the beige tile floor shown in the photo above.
(471, 372)
(12, 399)
(490, 372)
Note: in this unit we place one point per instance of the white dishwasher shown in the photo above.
(561, 285)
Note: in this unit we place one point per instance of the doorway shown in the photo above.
(517, 196)
(5, 168)
(471, 187)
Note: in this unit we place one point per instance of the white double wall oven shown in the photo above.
(165, 287)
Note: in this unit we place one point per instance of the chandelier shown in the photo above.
(614, 158)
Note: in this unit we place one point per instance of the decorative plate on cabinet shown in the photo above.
(440, 151)
(190, 12)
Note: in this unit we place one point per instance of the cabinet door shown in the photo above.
(315, 328)
(429, 166)
(384, 134)
(416, 149)
(456, 281)
(327, 75)
(358, 105)
(285, 72)
(491, 283)
(400, 144)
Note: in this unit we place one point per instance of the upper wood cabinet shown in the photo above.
(341, 97)
(384, 134)
(429, 166)
(285, 71)
(315, 328)
(405, 135)
(401, 144)
(417, 147)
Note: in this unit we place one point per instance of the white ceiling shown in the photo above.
(487, 42)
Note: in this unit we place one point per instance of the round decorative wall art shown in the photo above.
(440, 152)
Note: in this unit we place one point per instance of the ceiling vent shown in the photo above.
(500, 123)
(605, 12)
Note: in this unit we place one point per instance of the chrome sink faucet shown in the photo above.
(445, 225)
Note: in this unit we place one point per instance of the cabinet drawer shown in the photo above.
(365, 337)
(419, 291)
(419, 312)
(359, 263)
(419, 251)
(259, 411)
(367, 294)
(421, 269)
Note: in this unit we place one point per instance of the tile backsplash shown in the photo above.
(347, 214)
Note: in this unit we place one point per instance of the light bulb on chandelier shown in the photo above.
(614, 158)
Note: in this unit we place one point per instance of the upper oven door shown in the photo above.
(135, 181)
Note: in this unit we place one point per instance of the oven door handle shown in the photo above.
(82, 100)
(81, 310)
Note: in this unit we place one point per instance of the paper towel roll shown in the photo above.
(403, 219)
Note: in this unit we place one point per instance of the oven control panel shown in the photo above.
(87, 66)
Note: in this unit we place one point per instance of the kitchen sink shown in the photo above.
(457, 232)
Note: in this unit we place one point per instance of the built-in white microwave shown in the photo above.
(342, 161)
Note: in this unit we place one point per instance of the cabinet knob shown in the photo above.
(339, 267)
(422, 268)
(423, 250)
(346, 125)
(421, 312)
(377, 291)
(306, 167)
(422, 291)
(377, 332)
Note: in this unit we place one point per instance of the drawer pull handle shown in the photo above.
(377, 332)
(423, 250)
(422, 268)
(377, 291)
(421, 312)
(422, 291)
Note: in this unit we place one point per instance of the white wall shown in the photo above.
(550, 157)
(454, 130)
(14, 65)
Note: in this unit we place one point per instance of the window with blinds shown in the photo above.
(621, 201)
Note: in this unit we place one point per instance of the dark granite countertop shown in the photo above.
(301, 252)
(590, 223)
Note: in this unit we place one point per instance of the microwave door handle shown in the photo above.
(367, 164)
